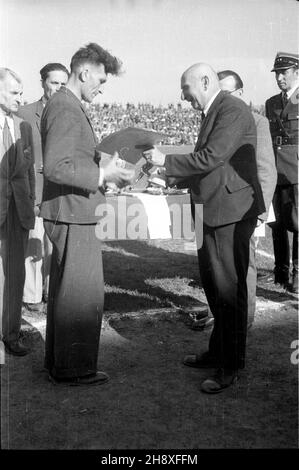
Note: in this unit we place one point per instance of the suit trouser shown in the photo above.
(13, 243)
(223, 262)
(285, 203)
(251, 280)
(37, 264)
(75, 303)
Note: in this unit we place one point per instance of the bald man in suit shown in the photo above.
(222, 175)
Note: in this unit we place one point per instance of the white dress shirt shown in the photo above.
(10, 125)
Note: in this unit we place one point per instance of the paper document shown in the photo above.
(158, 215)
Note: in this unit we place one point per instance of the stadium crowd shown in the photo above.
(179, 124)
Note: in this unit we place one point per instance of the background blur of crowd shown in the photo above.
(180, 124)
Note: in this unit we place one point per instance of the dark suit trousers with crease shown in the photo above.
(75, 302)
(223, 264)
(13, 244)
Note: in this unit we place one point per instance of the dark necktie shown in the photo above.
(284, 99)
(9, 147)
(202, 116)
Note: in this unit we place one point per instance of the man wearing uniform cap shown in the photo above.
(283, 114)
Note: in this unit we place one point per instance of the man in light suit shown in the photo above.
(74, 184)
(222, 175)
(17, 186)
(38, 256)
(231, 83)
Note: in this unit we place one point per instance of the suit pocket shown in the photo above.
(236, 184)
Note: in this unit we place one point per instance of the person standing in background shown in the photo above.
(231, 83)
(38, 255)
(17, 194)
(283, 114)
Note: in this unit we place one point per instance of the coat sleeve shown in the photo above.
(64, 162)
(223, 141)
(266, 168)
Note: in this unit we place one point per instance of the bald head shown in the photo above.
(199, 83)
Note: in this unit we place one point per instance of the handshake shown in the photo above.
(116, 174)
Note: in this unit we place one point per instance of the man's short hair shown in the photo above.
(92, 53)
(44, 72)
(5, 71)
(230, 73)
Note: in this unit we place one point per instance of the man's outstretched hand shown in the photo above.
(115, 174)
(155, 156)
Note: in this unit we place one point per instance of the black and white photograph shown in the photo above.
(149, 229)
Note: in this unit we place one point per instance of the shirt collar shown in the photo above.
(210, 102)
(9, 119)
(291, 91)
(44, 101)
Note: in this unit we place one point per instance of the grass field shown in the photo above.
(152, 401)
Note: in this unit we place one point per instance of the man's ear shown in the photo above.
(83, 75)
(205, 82)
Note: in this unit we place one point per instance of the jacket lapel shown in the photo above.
(292, 101)
(207, 120)
(90, 123)
(38, 113)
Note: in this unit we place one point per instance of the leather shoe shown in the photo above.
(220, 381)
(15, 348)
(203, 361)
(294, 287)
(98, 378)
(202, 323)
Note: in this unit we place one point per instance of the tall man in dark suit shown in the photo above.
(38, 256)
(283, 114)
(17, 194)
(222, 175)
(74, 182)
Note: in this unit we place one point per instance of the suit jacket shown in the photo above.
(266, 168)
(222, 170)
(70, 162)
(284, 131)
(32, 113)
(17, 181)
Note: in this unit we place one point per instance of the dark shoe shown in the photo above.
(202, 324)
(34, 307)
(294, 287)
(204, 361)
(221, 380)
(98, 378)
(15, 348)
(194, 283)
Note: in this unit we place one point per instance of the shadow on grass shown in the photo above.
(139, 275)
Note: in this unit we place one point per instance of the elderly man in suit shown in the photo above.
(38, 256)
(74, 183)
(222, 175)
(17, 194)
(283, 114)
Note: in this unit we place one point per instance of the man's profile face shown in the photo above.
(286, 78)
(95, 76)
(191, 92)
(53, 82)
(11, 92)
